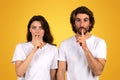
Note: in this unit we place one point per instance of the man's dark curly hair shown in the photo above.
(82, 10)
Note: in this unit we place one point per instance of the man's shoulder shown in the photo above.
(68, 40)
(98, 39)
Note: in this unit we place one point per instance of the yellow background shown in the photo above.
(15, 14)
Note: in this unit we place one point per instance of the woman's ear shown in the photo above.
(90, 24)
(30, 29)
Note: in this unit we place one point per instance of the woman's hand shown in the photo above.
(38, 42)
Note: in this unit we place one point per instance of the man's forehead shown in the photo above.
(82, 15)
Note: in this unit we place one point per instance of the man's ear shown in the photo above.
(74, 24)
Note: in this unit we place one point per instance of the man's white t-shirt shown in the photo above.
(43, 60)
(72, 53)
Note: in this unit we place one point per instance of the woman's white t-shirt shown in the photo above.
(43, 60)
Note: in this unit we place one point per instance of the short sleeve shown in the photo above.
(101, 50)
(54, 64)
(18, 53)
(61, 55)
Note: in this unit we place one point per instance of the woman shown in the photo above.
(36, 59)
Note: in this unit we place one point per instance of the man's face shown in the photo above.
(82, 22)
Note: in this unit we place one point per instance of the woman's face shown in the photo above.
(36, 29)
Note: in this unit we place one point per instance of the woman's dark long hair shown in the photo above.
(48, 38)
(82, 10)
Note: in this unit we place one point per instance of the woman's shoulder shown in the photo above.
(51, 45)
(23, 44)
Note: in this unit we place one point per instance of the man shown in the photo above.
(82, 56)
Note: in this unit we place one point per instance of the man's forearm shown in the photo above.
(95, 64)
(60, 75)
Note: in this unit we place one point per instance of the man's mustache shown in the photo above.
(80, 30)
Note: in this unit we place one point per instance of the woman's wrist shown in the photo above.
(34, 49)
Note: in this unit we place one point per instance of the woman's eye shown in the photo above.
(41, 27)
(33, 27)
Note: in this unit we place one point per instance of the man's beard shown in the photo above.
(85, 30)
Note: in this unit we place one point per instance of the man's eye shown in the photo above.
(78, 20)
(86, 20)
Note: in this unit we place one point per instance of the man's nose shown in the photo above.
(82, 24)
